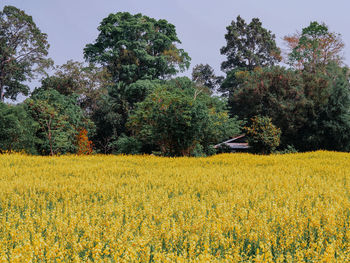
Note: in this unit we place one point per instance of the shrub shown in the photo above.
(263, 136)
(128, 145)
(288, 149)
(84, 145)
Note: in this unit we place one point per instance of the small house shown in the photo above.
(236, 144)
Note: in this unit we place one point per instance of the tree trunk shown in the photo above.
(50, 140)
(50, 137)
(2, 93)
(2, 77)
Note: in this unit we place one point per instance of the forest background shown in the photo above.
(126, 96)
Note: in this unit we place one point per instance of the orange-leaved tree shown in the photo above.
(84, 145)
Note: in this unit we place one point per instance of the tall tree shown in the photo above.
(137, 51)
(328, 125)
(314, 47)
(249, 46)
(135, 47)
(23, 52)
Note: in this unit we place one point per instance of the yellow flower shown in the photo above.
(225, 208)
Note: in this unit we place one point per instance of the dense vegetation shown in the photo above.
(126, 98)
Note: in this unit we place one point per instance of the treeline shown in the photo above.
(125, 97)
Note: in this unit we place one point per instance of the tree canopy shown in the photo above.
(249, 46)
(59, 119)
(204, 76)
(135, 47)
(314, 47)
(88, 82)
(23, 52)
(178, 120)
(306, 106)
(113, 110)
(17, 129)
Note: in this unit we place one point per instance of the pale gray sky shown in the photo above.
(200, 24)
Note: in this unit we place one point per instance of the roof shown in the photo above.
(234, 145)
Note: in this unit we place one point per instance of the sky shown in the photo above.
(200, 24)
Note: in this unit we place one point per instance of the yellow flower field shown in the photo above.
(227, 208)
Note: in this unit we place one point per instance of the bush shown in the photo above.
(128, 145)
(288, 149)
(84, 145)
(263, 136)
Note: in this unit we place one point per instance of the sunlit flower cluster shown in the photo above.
(227, 208)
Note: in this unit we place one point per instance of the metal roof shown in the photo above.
(234, 145)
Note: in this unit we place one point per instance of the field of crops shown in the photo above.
(238, 207)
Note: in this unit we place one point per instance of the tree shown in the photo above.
(89, 83)
(249, 46)
(204, 77)
(137, 51)
(17, 129)
(263, 136)
(278, 93)
(311, 109)
(328, 125)
(134, 47)
(59, 118)
(275, 92)
(315, 47)
(113, 109)
(109, 117)
(23, 52)
(176, 119)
